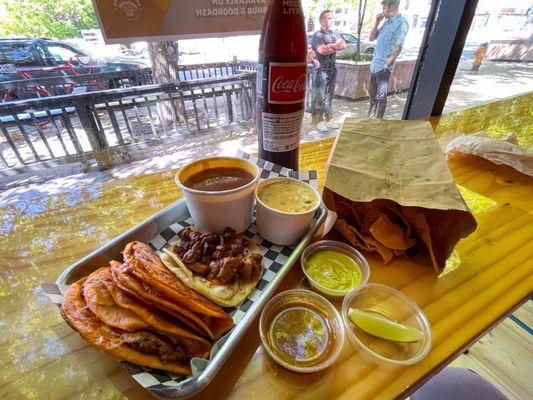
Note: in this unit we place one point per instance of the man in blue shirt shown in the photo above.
(390, 36)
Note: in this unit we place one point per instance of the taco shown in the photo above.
(174, 301)
(143, 347)
(224, 268)
(146, 265)
(102, 304)
(115, 308)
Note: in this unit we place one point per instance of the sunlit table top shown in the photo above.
(42, 233)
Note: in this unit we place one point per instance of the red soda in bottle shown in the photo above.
(281, 83)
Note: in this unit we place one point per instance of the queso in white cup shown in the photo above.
(285, 208)
(219, 192)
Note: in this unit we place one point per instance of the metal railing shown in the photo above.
(72, 84)
(208, 70)
(84, 127)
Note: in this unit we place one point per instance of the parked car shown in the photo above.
(41, 58)
(351, 43)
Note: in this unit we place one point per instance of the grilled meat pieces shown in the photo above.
(222, 257)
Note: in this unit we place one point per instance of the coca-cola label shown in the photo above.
(287, 82)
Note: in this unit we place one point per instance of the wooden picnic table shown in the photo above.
(45, 230)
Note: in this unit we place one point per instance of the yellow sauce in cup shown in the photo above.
(334, 270)
(299, 335)
(288, 196)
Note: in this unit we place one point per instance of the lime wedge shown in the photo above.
(381, 327)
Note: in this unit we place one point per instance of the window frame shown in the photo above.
(445, 35)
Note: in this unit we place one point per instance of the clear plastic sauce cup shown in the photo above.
(389, 303)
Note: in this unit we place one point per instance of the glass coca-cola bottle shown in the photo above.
(281, 82)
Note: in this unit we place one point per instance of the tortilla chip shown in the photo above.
(386, 254)
(394, 212)
(390, 234)
(105, 338)
(426, 236)
(344, 229)
(363, 242)
(344, 208)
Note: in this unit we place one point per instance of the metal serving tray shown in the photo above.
(146, 232)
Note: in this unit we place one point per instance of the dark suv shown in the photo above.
(41, 58)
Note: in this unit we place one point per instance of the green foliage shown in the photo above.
(362, 11)
(312, 8)
(58, 19)
(354, 56)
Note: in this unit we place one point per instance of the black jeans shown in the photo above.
(322, 95)
(378, 89)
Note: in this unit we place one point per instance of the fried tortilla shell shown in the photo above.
(148, 267)
(102, 304)
(226, 295)
(142, 291)
(147, 293)
(134, 295)
(157, 320)
(124, 346)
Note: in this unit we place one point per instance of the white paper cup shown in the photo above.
(281, 227)
(215, 211)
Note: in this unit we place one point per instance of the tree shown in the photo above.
(46, 18)
(164, 57)
(314, 7)
(361, 10)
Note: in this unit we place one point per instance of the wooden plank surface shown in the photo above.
(43, 232)
(503, 357)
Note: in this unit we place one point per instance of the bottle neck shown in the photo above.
(288, 7)
(283, 34)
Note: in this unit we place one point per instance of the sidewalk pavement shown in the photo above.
(495, 80)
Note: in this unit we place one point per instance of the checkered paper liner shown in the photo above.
(274, 257)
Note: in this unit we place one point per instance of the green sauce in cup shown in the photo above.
(334, 270)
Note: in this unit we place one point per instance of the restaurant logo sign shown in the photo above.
(156, 20)
(129, 9)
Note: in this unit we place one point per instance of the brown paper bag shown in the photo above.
(393, 193)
